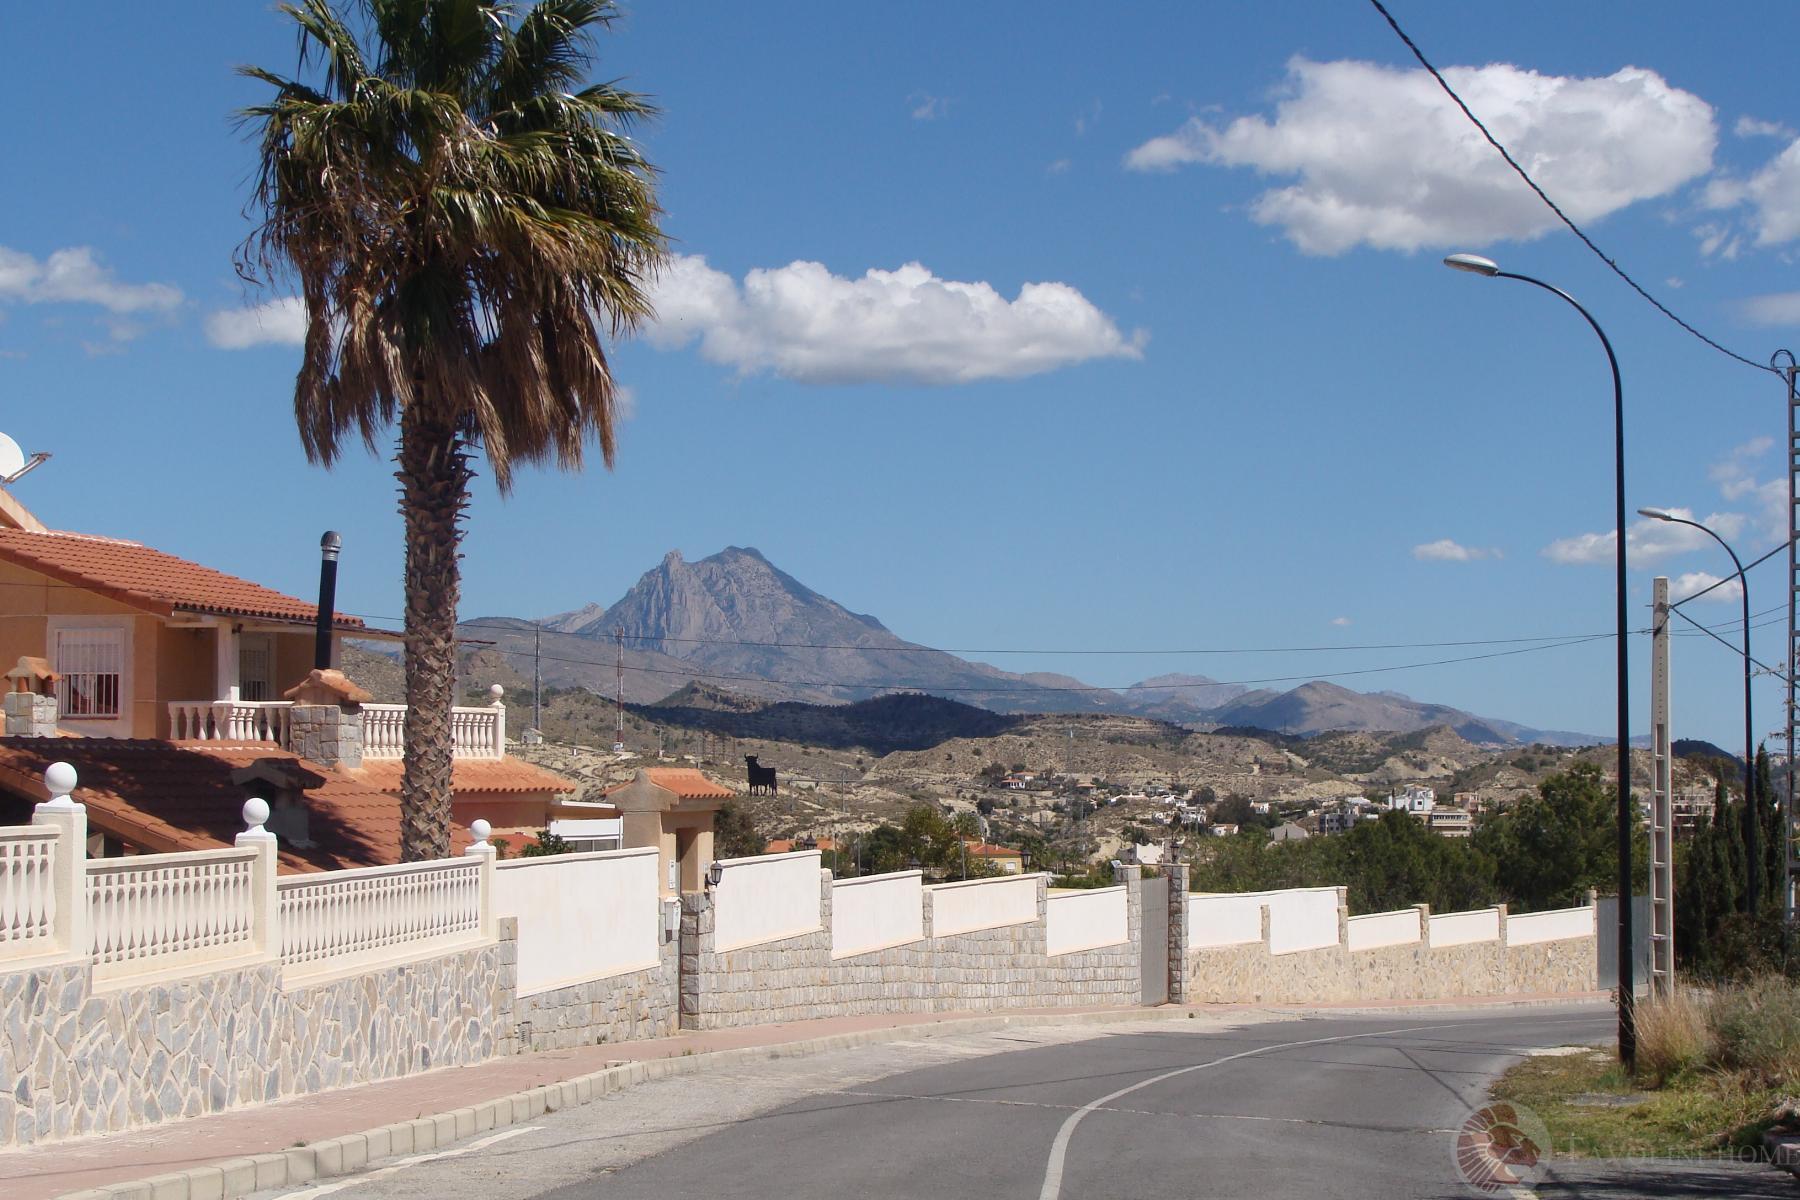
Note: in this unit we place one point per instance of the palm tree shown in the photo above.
(460, 215)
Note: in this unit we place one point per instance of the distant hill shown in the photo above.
(1317, 707)
(704, 635)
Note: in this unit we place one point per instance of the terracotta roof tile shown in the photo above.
(135, 574)
(686, 782)
(166, 796)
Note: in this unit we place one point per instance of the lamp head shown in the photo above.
(1656, 514)
(1472, 263)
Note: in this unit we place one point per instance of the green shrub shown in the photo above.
(1756, 1029)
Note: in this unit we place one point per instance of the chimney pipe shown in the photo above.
(328, 560)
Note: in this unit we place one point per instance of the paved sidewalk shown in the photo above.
(59, 1168)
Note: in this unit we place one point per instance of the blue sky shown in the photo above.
(1159, 353)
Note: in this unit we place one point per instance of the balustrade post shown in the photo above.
(485, 850)
(265, 908)
(499, 704)
(69, 886)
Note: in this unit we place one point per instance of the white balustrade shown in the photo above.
(384, 730)
(475, 732)
(254, 721)
(153, 912)
(28, 864)
(340, 920)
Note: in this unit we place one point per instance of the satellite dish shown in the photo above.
(12, 459)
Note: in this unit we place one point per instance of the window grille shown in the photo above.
(91, 663)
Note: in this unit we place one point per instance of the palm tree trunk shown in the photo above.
(434, 490)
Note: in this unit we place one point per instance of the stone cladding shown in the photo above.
(74, 1060)
(620, 1008)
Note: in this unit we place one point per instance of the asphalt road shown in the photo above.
(1366, 1106)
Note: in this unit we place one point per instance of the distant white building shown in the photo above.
(1414, 798)
(1147, 855)
(1336, 820)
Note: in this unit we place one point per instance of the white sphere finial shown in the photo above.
(480, 829)
(59, 779)
(496, 692)
(256, 812)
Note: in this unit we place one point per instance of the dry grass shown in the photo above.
(1674, 1035)
(1755, 1028)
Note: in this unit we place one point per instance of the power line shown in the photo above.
(1038, 690)
(1737, 650)
(1542, 195)
(1722, 582)
(1042, 651)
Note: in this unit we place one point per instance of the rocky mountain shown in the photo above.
(734, 623)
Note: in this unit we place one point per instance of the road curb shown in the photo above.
(1784, 1151)
(349, 1153)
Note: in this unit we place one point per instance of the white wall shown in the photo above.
(581, 916)
(876, 911)
(1457, 929)
(983, 904)
(765, 899)
(1224, 918)
(1526, 928)
(1084, 920)
(1397, 928)
(1302, 919)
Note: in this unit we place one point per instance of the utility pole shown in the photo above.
(1662, 800)
(1790, 865)
(537, 678)
(619, 691)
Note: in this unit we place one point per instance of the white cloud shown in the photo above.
(278, 322)
(1687, 584)
(1058, 167)
(75, 276)
(1385, 159)
(1341, 622)
(926, 107)
(1446, 550)
(1773, 195)
(1775, 309)
(624, 402)
(1720, 239)
(903, 326)
(1748, 127)
(1646, 541)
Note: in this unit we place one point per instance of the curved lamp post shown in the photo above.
(1476, 265)
(1753, 838)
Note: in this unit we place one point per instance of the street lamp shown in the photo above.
(1476, 265)
(1753, 838)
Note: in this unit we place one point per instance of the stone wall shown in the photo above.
(621, 1008)
(1415, 971)
(76, 1061)
(797, 978)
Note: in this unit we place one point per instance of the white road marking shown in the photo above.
(1059, 1149)
(325, 1189)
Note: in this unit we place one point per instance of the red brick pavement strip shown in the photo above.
(337, 1132)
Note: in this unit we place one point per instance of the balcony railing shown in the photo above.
(476, 732)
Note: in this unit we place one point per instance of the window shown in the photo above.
(256, 666)
(92, 665)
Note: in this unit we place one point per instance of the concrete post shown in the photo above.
(498, 701)
(1424, 925)
(265, 907)
(69, 896)
(484, 850)
(1502, 910)
(1343, 916)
